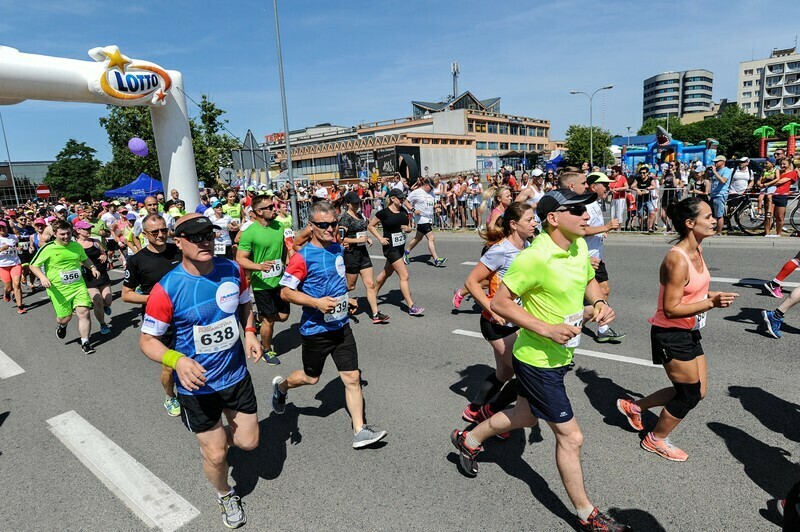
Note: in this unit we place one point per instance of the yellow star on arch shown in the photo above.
(115, 59)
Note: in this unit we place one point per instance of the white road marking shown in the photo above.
(377, 257)
(584, 352)
(8, 368)
(469, 263)
(145, 494)
(749, 281)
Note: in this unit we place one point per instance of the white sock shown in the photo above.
(84, 340)
(584, 513)
(602, 329)
(221, 495)
(472, 442)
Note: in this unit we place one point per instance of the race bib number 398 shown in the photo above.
(216, 337)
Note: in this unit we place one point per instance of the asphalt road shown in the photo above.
(742, 440)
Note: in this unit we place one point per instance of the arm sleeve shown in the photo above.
(158, 313)
(295, 272)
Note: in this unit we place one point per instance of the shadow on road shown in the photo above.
(603, 394)
(393, 297)
(470, 382)
(118, 323)
(637, 519)
(776, 414)
(3, 417)
(752, 316)
(287, 339)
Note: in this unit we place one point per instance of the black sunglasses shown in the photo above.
(270, 207)
(163, 231)
(575, 210)
(203, 237)
(324, 225)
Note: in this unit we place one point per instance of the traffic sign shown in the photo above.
(227, 174)
(43, 191)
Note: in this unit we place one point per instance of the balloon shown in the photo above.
(138, 147)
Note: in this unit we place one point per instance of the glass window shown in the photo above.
(470, 127)
(514, 145)
(492, 127)
(504, 145)
(513, 129)
(748, 72)
(480, 145)
(492, 145)
(504, 129)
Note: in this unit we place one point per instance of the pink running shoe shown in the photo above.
(631, 412)
(457, 298)
(663, 448)
(471, 416)
(774, 289)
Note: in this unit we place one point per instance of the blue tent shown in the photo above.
(140, 188)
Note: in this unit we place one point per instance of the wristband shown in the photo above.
(170, 358)
(250, 329)
(600, 301)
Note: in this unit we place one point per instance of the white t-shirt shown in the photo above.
(739, 181)
(222, 223)
(475, 193)
(169, 220)
(423, 202)
(595, 242)
(109, 219)
(9, 256)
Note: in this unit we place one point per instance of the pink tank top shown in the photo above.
(695, 291)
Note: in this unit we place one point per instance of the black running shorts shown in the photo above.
(674, 344)
(200, 413)
(493, 331)
(339, 344)
(393, 254)
(356, 259)
(269, 302)
(424, 228)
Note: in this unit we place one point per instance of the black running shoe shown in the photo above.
(87, 348)
(380, 318)
(61, 331)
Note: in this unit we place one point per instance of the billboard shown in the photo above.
(386, 159)
(347, 165)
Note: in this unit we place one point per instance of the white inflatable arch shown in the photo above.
(113, 79)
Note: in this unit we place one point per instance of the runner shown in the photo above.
(475, 199)
(394, 221)
(24, 232)
(204, 300)
(262, 253)
(315, 280)
(151, 207)
(683, 301)
(420, 203)
(773, 319)
(552, 277)
(532, 193)
(10, 267)
(511, 234)
(100, 287)
(144, 270)
(62, 259)
(223, 224)
(356, 255)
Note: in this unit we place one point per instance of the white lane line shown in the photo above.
(469, 263)
(749, 281)
(584, 352)
(144, 493)
(377, 257)
(8, 368)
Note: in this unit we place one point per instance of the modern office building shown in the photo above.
(27, 176)
(772, 85)
(677, 94)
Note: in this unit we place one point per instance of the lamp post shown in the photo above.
(591, 128)
(10, 167)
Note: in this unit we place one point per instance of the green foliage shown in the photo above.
(212, 147)
(649, 125)
(577, 144)
(74, 174)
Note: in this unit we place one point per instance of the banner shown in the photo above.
(386, 160)
(347, 165)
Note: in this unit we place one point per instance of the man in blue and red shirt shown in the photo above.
(204, 299)
(315, 279)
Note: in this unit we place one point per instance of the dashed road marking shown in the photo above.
(749, 281)
(468, 263)
(8, 368)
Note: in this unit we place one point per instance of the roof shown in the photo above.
(431, 106)
(441, 106)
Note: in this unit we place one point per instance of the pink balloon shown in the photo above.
(138, 147)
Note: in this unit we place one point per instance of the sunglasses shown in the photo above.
(197, 239)
(575, 210)
(163, 231)
(268, 207)
(324, 225)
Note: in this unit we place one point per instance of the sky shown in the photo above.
(352, 61)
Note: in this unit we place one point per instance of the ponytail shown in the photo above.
(502, 225)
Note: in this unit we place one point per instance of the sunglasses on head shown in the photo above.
(203, 237)
(575, 210)
(325, 225)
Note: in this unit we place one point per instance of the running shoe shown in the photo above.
(772, 322)
(781, 507)
(380, 318)
(484, 414)
(278, 397)
(61, 331)
(440, 262)
(22, 310)
(271, 358)
(467, 456)
(232, 511)
(406, 259)
(107, 310)
(663, 448)
(415, 311)
(598, 521)
(6, 296)
(367, 436)
(105, 329)
(471, 416)
(629, 410)
(173, 406)
(774, 289)
(457, 299)
(610, 336)
(87, 348)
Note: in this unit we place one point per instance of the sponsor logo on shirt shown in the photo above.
(227, 297)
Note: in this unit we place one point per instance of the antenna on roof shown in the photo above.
(455, 68)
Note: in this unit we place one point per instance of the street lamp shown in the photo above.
(591, 128)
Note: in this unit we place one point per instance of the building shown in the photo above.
(771, 86)
(462, 134)
(27, 176)
(715, 112)
(677, 94)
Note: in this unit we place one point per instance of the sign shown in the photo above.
(487, 164)
(43, 191)
(386, 160)
(275, 138)
(127, 81)
(250, 156)
(227, 174)
(347, 165)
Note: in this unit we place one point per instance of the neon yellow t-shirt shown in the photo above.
(551, 283)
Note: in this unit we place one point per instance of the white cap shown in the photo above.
(537, 172)
(744, 160)
(59, 208)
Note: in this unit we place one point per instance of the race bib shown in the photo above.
(70, 276)
(216, 337)
(699, 321)
(398, 239)
(361, 234)
(288, 233)
(219, 249)
(339, 311)
(23, 246)
(576, 320)
(275, 270)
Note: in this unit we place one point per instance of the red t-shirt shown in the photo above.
(783, 190)
(619, 183)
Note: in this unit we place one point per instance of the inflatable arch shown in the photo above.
(113, 79)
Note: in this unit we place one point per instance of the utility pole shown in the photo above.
(8, 154)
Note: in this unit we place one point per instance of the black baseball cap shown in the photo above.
(193, 225)
(352, 198)
(397, 193)
(554, 199)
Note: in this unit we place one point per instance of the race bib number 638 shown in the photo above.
(216, 337)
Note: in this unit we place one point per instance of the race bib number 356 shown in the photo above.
(70, 276)
(216, 337)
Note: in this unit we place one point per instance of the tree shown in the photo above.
(212, 148)
(577, 145)
(74, 173)
(649, 125)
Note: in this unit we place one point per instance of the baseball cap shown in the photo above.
(3, 223)
(104, 203)
(115, 202)
(537, 172)
(396, 193)
(130, 216)
(59, 208)
(597, 177)
(251, 188)
(352, 198)
(193, 224)
(39, 221)
(719, 158)
(554, 199)
(744, 160)
(81, 224)
(216, 204)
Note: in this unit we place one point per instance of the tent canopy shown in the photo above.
(140, 188)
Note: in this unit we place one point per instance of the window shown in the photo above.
(747, 84)
(747, 94)
(471, 127)
(504, 129)
(504, 145)
(492, 145)
(480, 145)
(746, 106)
(480, 127)
(531, 131)
(759, 70)
(514, 145)
(748, 72)
(492, 127)
(513, 129)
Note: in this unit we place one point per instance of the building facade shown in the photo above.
(677, 94)
(772, 85)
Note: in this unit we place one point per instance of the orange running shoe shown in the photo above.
(629, 409)
(663, 448)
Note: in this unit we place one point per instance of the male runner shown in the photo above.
(420, 203)
(205, 299)
(315, 279)
(143, 271)
(552, 277)
(152, 207)
(61, 259)
(261, 252)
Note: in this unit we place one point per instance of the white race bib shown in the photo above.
(576, 320)
(23, 246)
(699, 321)
(70, 276)
(361, 234)
(288, 233)
(340, 310)
(275, 270)
(216, 337)
(219, 249)
(398, 239)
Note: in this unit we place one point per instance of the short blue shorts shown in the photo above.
(544, 389)
(718, 206)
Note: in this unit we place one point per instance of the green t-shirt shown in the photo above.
(264, 244)
(551, 283)
(56, 260)
(234, 211)
(286, 221)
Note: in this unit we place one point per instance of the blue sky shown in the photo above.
(350, 61)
